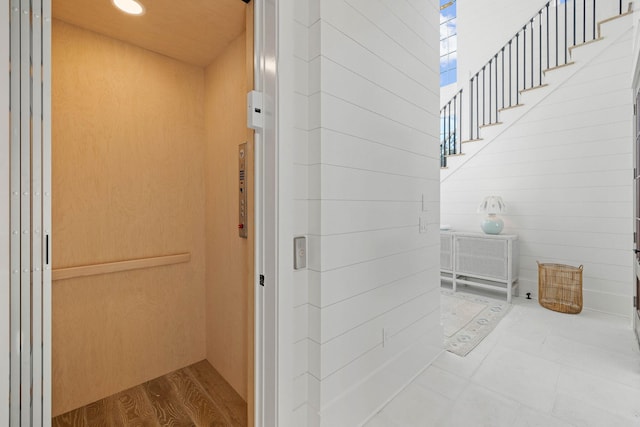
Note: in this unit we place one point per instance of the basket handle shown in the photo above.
(580, 267)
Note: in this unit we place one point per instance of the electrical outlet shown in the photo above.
(422, 224)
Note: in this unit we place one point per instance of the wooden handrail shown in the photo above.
(116, 267)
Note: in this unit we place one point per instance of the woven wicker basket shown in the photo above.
(560, 287)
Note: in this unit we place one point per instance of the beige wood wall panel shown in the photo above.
(228, 262)
(118, 267)
(249, 65)
(128, 183)
(193, 31)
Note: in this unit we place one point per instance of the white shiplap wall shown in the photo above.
(362, 88)
(372, 152)
(565, 171)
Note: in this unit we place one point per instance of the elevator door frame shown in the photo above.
(266, 313)
(5, 322)
(266, 341)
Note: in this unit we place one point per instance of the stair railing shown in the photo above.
(542, 44)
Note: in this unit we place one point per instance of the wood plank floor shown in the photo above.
(193, 396)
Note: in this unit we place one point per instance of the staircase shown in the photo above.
(558, 151)
(514, 79)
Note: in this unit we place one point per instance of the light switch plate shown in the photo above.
(299, 252)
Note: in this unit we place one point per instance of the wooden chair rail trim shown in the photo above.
(116, 267)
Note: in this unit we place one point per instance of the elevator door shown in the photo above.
(29, 211)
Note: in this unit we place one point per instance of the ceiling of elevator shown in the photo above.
(193, 31)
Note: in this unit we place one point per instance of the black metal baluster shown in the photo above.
(574, 22)
(594, 19)
(584, 21)
(556, 7)
(455, 125)
(540, 44)
(502, 76)
(532, 43)
(484, 101)
(460, 120)
(510, 84)
(517, 72)
(471, 109)
(444, 129)
(547, 6)
(452, 148)
(477, 105)
(524, 58)
(496, 77)
(490, 112)
(620, 7)
(565, 31)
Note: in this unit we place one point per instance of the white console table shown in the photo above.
(477, 259)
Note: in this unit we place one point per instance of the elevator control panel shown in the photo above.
(242, 199)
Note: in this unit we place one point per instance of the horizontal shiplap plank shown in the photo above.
(350, 346)
(355, 25)
(356, 279)
(592, 209)
(301, 112)
(342, 217)
(356, 120)
(598, 192)
(301, 76)
(583, 239)
(343, 83)
(365, 63)
(300, 322)
(414, 352)
(347, 249)
(300, 357)
(301, 41)
(519, 138)
(342, 380)
(344, 183)
(581, 163)
(348, 314)
(607, 302)
(422, 27)
(383, 18)
(301, 12)
(570, 111)
(569, 181)
(560, 223)
(541, 153)
(340, 149)
(300, 387)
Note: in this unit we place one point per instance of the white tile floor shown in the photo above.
(537, 368)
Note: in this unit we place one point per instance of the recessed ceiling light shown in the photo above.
(131, 7)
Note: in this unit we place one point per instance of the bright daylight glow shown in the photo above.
(131, 7)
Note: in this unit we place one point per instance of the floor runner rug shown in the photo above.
(467, 319)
